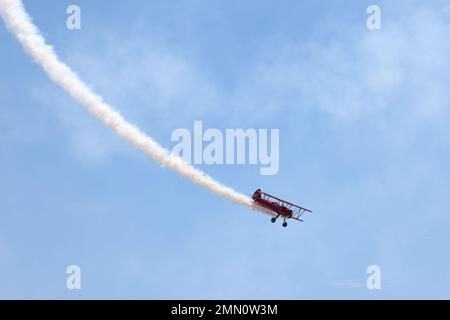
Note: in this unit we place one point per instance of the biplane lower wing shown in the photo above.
(264, 210)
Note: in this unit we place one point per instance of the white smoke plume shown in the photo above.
(19, 23)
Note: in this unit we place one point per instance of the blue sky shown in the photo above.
(364, 141)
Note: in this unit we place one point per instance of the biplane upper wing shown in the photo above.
(286, 203)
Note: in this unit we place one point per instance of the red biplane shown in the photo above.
(278, 208)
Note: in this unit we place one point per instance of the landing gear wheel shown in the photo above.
(273, 220)
(285, 224)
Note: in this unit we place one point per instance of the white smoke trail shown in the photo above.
(19, 23)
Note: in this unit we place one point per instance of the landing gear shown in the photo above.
(274, 219)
